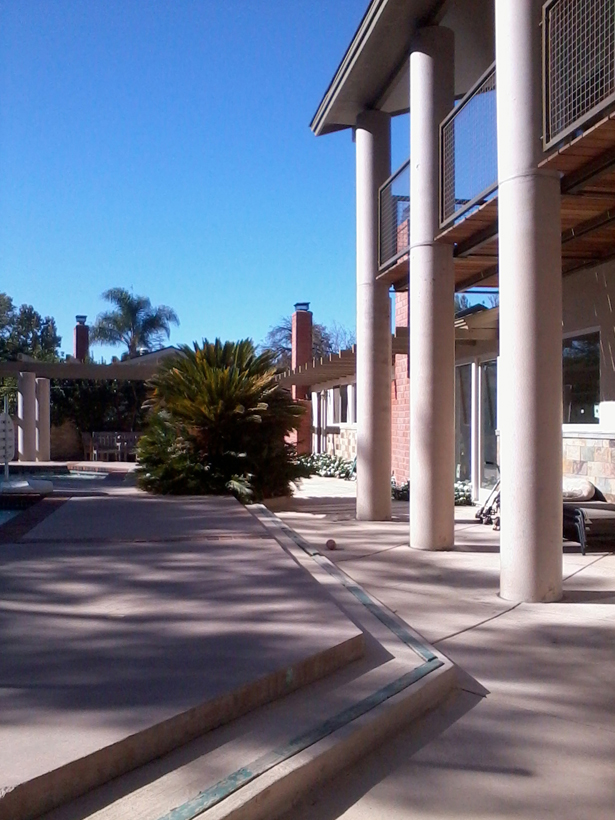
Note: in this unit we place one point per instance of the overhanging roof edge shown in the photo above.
(352, 52)
(368, 24)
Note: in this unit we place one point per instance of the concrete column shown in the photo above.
(351, 404)
(432, 326)
(26, 417)
(475, 431)
(374, 355)
(43, 420)
(530, 381)
(315, 422)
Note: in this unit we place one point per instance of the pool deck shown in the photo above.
(538, 741)
(524, 729)
(131, 624)
(41, 467)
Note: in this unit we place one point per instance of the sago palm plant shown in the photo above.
(219, 416)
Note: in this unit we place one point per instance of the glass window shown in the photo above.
(334, 399)
(581, 379)
(463, 422)
(344, 404)
(488, 424)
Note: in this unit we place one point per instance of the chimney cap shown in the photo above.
(81, 318)
(302, 306)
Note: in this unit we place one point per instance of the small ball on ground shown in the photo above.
(331, 545)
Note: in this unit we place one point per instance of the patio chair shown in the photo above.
(591, 523)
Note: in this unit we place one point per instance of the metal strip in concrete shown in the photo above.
(384, 615)
(232, 783)
(227, 786)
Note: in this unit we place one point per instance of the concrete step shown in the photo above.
(261, 764)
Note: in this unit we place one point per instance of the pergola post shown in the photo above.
(432, 288)
(26, 417)
(373, 154)
(530, 378)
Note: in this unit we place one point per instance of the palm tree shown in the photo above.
(134, 322)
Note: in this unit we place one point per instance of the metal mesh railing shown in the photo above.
(468, 151)
(394, 217)
(579, 63)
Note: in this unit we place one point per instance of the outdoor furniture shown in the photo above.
(126, 444)
(104, 447)
(591, 523)
(114, 446)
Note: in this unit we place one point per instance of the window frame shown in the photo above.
(588, 427)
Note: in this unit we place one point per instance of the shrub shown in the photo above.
(218, 422)
(463, 493)
(328, 466)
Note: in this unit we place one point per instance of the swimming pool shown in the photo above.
(6, 515)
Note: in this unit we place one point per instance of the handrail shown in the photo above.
(394, 217)
(469, 132)
(578, 65)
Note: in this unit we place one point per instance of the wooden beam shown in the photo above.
(121, 371)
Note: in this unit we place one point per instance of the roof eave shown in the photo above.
(366, 25)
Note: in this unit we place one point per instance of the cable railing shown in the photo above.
(468, 151)
(579, 64)
(394, 217)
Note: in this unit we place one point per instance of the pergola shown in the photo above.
(33, 393)
(469, 329)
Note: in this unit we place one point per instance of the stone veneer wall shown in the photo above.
(593, 458)
(342, 442)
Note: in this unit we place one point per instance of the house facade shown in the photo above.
(510, 184)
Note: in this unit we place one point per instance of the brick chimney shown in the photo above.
(81, 339)
(301, 342)
(302, 354)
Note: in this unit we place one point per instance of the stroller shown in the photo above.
(489, 513)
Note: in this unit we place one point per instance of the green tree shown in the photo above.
(133, 323)
(96, 406)
(218, 424)
(24, 331)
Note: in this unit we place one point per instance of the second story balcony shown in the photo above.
(468, 152)
(578, 136)
(394, 225)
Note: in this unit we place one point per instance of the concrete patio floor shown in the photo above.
(131, 624)
(539, 740)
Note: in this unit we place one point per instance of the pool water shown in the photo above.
(72, 475)
(6, 515)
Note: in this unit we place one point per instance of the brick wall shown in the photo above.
(400, 402)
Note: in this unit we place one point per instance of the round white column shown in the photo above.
(315, 423)
(43, 420)
(374, 354)
(432, 289)
(26, 417)
(530, 378)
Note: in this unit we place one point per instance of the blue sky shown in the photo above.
(163, 145)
